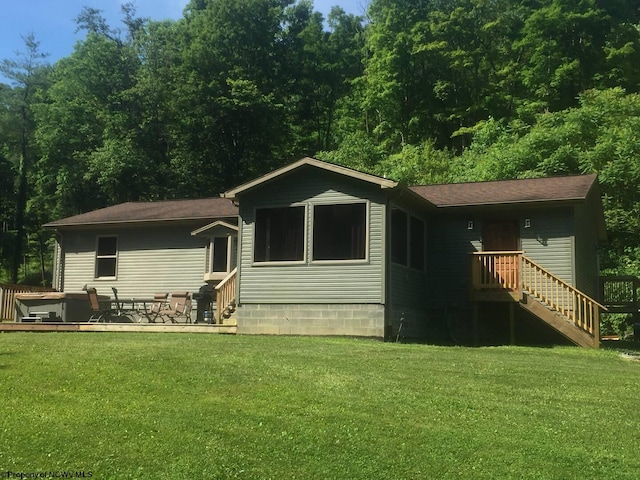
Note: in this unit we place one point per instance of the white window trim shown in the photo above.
(97, 257)
(212, 253)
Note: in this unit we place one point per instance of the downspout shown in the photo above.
(58, 264)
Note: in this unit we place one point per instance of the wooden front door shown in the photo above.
(502, 237)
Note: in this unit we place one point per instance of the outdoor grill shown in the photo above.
(204, 297)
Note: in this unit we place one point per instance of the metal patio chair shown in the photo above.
(98, 313)
(179, 307)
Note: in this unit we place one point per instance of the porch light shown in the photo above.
(527, 223)
(470, 225)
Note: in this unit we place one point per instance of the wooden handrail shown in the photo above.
(514, 271)
(496, 270)
(8, 298)
(225, 294)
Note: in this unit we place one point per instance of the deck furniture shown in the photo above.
(150, 308)
(99, 313)
(179, 308)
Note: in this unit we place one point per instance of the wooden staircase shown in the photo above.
(226, 299)
(511, 276)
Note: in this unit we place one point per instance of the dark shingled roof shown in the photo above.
(133, 212)
(528, 190)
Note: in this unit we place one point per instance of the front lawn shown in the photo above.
(125, 406)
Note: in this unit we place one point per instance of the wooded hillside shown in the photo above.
(421, 91)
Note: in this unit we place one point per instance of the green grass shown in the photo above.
(124, 406)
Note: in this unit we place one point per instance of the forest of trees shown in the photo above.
(422, 91)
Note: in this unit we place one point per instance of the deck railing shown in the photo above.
(8, 298)
(514, 271)
(561, 297)
(225, 294)
(496, 270)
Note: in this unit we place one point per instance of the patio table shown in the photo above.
(144, 307)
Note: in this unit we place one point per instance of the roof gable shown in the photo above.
(528, 190)
(308, 161)
(165, 210)
(218, 225)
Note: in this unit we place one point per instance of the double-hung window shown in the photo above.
(106, 257)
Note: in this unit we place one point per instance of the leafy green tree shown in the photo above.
(28, 74)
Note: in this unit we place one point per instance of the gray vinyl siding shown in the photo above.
(150, 260)
(308, 282)
(408, 286)
(449, 245)
(549, 241)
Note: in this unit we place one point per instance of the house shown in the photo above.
(142, 248)
(315, 248)
(553, 227)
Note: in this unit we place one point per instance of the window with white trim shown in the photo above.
(223, 258)
(106, 256)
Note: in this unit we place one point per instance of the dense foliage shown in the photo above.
(421, 91)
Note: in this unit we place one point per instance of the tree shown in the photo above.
(28, 74)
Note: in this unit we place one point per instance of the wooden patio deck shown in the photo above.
(117, 327)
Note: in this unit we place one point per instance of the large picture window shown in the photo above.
(106, 256)
(340, 232)
(279, 234)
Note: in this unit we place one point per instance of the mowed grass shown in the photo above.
(125, 406)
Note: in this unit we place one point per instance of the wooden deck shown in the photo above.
(117, 327)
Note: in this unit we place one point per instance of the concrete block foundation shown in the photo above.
(359, 320)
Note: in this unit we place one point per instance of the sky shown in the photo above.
(52, 21)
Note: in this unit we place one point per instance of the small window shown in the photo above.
(279, 234)
(399, 238)
(220, 254)
(340, 232)
(106, 257)
(417, 243)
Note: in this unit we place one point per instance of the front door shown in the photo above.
(502, 237)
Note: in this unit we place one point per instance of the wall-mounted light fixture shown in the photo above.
(470, 225)
(527, 223)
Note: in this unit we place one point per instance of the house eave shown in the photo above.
(120, 223)
(383, 183)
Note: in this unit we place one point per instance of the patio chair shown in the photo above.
(98, 313)
(159, 304)
(179, 307)
(120, 312)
